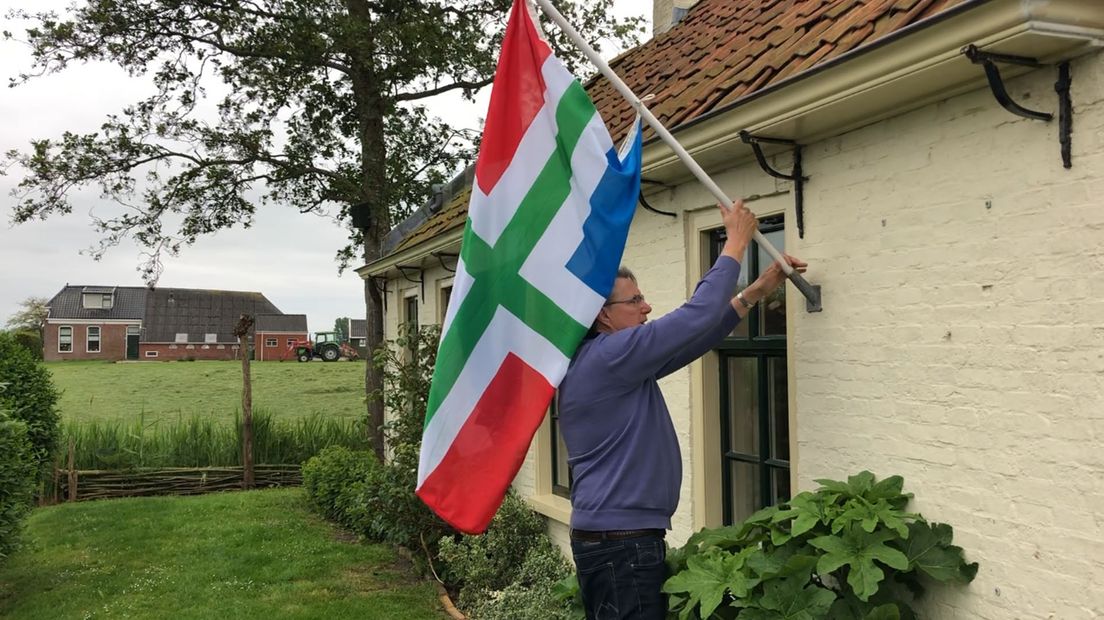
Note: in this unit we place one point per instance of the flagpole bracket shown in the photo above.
(989, 60)
(796, 175)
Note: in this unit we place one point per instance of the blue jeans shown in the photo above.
(620, 579)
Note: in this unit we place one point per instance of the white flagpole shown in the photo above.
(811, 293)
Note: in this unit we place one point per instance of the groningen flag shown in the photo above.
(549, 214)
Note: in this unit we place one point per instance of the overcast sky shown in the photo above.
(38, 258)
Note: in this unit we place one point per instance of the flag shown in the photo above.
(550, 210)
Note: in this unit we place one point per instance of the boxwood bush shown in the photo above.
(29, 395)
(17, 478)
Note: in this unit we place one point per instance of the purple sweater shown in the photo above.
(621, 444)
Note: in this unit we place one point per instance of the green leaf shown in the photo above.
(793, 599)
(706, 580)
(884, 612)
(929, 549)
(858, 550)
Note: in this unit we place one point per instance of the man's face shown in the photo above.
(626, 307)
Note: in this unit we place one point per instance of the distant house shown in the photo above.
(128, 322)
(358, 335)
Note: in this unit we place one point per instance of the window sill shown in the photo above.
(552, 506)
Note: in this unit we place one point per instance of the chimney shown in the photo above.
(667, 13)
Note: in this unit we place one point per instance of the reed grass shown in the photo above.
(200, 441)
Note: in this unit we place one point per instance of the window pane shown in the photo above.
(743, 405)
(779, 408)
(780, 485)
(744, 490)
(772, 310)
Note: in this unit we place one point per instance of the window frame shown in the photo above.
(271, 342)
(88, 339)
(558, 487)
(70, 336)
(762, 348)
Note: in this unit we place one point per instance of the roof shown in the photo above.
(281, 323)
(358, 328)
(724, 51)
(721, 53)
(197, 312)
(129, 303)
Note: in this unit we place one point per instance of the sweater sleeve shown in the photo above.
(638, 353)
(701, 345)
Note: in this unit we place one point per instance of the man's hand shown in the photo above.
(740, 225)
(772, 278)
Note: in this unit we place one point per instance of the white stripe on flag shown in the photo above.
(505, 334)
(490, 213)
(546, 266)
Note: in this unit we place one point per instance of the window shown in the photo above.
(755, 434)
(97, 300)
(151, 353)
(181, 338)
(65, 339)
(561, 471)
(92, 342)
(410, 316)
(446, 296)
(210, 338)
(270, 342)
(290, 342)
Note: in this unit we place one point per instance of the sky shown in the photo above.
(288, 256)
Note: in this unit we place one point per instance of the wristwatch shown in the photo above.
(743, 301)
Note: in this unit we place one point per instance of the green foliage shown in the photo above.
(31, 340)
(848, 551)
(342, 325)
(202, 442)
(30, 317)
(379, 502)
(17, 478)
(327, 478)
(511, 572)
(29, 396)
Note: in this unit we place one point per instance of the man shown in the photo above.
(622, 446)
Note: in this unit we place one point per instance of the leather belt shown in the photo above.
(592, 535)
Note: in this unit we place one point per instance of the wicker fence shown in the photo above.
(77, 485)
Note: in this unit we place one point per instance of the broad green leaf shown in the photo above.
(793, 599)
(889, 488)
(884, 612)
(858, 550)
(706, 579)
(929, 549)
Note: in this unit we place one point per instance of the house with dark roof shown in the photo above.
(114, 323)
(939, 164)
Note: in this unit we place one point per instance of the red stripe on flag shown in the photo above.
(516, 97)
(469, 483)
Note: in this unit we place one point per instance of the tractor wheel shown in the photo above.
(304, 357)
(330, 354)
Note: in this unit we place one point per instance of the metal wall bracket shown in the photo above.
(441, 258)
(420, 280)
(989, 60)
(796, 174)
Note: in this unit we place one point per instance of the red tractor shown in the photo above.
(325, 345)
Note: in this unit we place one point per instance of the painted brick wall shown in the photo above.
(167, 352)
(962, 342)
(112, 343)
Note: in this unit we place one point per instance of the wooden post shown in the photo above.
(242, 331)
(72, 472)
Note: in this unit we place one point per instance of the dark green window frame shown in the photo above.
(757, 346)
(561, 472)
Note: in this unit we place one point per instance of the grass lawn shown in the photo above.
(167, 391)
(236, 555)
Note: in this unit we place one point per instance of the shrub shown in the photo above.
(486, 567)
(17, 478)
(327, 479)
(30, 340)
(846, 551)
(30, 396)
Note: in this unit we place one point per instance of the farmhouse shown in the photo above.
(114, 323)
(939, 163)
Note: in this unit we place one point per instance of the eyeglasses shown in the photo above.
(635, 300)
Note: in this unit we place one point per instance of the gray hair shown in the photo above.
(622, 272)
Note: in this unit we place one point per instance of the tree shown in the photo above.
(324, 108)
(342, 325)
(31, 316)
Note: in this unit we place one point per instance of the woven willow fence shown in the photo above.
(76, 485)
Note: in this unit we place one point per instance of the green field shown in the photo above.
(168, 391)
(241, 555)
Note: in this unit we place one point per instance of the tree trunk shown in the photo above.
(242, 331)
